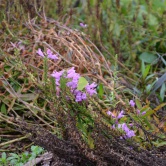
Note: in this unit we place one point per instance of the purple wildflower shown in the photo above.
(143, 113)
(83, 96)
(113, 126)
(73, 84)
(129, 133)
(90, 88)
(39, 52)
(14, 45)
(83, 25)
(78, 97)
(108, 113)
(125, 128)
(51, 55)
(70, 70)
(132, 103)
(57, 76)
(138, 112)
(75, 77)
(120, 115)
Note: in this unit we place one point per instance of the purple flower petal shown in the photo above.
(83, 25)
(51, 55)
(113, 126)
(124, 127)
(130, 134)
(39, 52)
(84, 96)
(143, 113)
(108, 113)
(120, 115)
(132, 103)
(56, 74)
(70, 70)
(90, 89)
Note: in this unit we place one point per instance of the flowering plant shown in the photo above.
(49, 54)
(76, 84)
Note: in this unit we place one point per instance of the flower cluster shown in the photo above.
(120, 115)
(128, 133)
(132, 104)
(49, 54)
(57, 76)
(73, 78)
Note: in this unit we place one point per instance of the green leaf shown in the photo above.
(148, 57)
(162, 91)
(149, 77)
(146, 121)
(14, 155)
(13, 162)
(146, 71)
(53, 84)
(138, 104)
(160, 144)
(163, 60)
(27, 96)
(90, 141)
(142, 67)
(148, 113)
(160, 106)
(3, 109)
(100, 90)
(4, 155)
(63, 82)
(82, 83)
(153, 20)
(117, 30)
(159, 83)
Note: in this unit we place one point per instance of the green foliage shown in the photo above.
(3, 109)
(100, 90)
(14, 159)
(160, 83)
(3, 159)
(148, 57)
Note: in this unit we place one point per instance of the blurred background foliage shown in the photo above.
(133, 29)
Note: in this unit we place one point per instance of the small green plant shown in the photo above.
(149, 83)
(36, 150)
(20, 159)
(3, 159)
